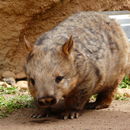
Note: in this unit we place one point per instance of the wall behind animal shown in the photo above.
(32, 18)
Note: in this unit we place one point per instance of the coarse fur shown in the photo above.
(90, 51)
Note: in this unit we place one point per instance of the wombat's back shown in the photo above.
(92, 33)
(96, 36)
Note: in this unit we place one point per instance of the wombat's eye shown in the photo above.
(32, 81)
(58, 79)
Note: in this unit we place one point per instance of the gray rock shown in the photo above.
(22, 85)
(10, 81)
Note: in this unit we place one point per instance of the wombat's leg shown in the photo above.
(103, 100)
(75, 104)
(105, 97)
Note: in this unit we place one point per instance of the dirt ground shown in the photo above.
(116, 117)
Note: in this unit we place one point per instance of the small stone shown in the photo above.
(20, 75)
(22, 85)
(8, 74)
(119, 92)
(4, 84)
(9, 80)
(126, 92)
(1, 83)
(123, 91)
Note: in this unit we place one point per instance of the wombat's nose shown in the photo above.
(46, 101)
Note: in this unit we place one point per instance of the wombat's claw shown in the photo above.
(39, 115)
(70, 115)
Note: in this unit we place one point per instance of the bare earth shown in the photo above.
(116, 117)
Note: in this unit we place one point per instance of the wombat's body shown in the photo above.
(84, 55)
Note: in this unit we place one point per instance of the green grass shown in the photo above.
(11, 99)
(8, 90)
(125, 83)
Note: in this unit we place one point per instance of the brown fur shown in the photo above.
(96, 58)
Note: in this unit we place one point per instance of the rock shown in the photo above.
(126, 92)
(119, 92)
(10, 81)
(123, 91)
(1, 83)
(8, 74)
(22, 85)
(4, 84)
(20, 75)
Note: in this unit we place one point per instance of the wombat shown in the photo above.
(86, 54)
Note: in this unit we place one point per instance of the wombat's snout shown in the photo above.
(44, 101)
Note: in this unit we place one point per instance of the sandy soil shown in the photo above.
(116, 117)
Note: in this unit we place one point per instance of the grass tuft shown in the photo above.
(125, 83)
(11, 99)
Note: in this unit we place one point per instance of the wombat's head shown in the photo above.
(51, 72)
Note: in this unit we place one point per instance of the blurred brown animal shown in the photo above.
(84, 55)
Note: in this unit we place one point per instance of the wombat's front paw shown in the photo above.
(70, 114)
(39, 115)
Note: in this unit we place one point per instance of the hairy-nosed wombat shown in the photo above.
(84, 55)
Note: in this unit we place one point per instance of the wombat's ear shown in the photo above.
(28, 45)
(67, 47)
